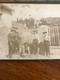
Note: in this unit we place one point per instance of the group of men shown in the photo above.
(40, 47)
(35, 47)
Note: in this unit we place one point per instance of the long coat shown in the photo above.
(16, 42)
(10, 43)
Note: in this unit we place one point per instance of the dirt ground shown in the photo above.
(54, 54)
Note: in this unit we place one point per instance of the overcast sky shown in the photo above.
(36, 11)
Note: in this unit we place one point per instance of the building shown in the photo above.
(53, 29)
(6, 15)
(5, 25)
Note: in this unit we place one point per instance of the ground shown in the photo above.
(55, 54)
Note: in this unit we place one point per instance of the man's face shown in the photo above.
(26, 45)
(13, 32)
(46, 34)
(34, 32)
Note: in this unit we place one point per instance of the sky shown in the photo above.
(37, 11)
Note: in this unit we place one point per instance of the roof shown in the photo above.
(5, 6)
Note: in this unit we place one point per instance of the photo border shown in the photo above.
(31, 2)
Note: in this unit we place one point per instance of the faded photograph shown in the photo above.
(29, 31)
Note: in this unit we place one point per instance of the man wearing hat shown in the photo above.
(34, 42)
(13, 42)
(16, 42)
(46, 43)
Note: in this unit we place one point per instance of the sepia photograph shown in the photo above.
(29, 31)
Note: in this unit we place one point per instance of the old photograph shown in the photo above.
(29, 31)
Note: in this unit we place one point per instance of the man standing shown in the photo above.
(16, 42)
(47, 44)
(11, 43)
(34, 42)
